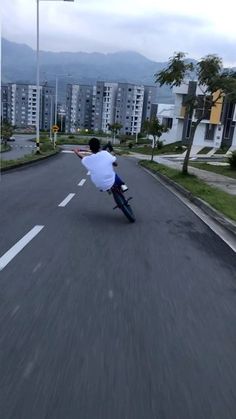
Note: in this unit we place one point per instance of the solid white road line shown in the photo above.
(11, 253)
(82, 182)
(67, 151)
(66, 200)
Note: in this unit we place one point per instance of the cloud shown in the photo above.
(154, 29)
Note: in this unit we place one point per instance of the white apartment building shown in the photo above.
(108, 103)
(32, 104)
(20, 101)
(78, 107)
(129, 108)
(108, 108)
(103, 106)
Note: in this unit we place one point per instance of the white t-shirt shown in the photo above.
(101, 169)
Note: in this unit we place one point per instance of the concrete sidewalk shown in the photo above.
(221, 182)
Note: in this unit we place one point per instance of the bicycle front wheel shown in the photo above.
(124, 206)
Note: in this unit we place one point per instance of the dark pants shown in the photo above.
(118, 181)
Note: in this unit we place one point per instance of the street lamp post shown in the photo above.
(51, 120)
(37, 79)
(56, 100)
(55, 116)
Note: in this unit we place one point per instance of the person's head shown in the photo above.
(94, 145)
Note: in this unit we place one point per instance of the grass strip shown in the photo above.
(220, 200)
(220, 170)
(6, 164)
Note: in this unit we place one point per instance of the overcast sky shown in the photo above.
(153, 28)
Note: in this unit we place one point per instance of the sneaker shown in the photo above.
(124, 188)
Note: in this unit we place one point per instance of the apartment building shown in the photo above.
(149, 102)
(19, 105)
(78, 107)
(47, 113)
(5, 103)
(103, 107)
(129, 108)
(97, 107)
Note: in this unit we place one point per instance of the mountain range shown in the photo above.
(19, 66)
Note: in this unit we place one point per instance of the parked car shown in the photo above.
(12, 138)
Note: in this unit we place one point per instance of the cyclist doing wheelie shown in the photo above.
(100, 165)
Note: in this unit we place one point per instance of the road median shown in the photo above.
(7, 165)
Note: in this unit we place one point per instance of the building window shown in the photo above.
(209, 132)
(204, 107)
(228, 121)
(168, 122)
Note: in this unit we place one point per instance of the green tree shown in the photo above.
(7, 131)
(114, 128)
(215, 84)
(154, 128)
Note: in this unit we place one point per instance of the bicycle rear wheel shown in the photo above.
(123, 204)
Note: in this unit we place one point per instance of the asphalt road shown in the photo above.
(20, 147)
(102, 319)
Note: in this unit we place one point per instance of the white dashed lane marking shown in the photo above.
(82, 182)
(66, 200)
(88, 174)
(11, 253)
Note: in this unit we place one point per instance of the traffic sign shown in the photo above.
(55, 128)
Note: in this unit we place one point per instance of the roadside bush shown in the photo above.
(46, 146)
(71, 136)
(44, 139)
(232, 160)
(180, 148)
(130, 145)
(159, 144)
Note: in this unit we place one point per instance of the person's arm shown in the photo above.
(113, 159)
(81, 153)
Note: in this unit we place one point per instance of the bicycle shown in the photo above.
(122, 203)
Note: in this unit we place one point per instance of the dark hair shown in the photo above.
(108, 146)
(94, 145)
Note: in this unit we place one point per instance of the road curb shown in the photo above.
(207, 208)
(27, 163)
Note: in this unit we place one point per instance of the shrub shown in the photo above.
(71, 136)
(232, 160)
(44, 139)
(130, 145)
(159, 144)
(180, 148)
(46, 146)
